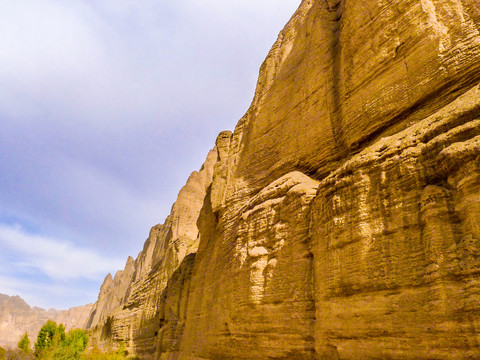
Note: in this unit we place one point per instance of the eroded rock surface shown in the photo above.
(394, 224)
(341, 218)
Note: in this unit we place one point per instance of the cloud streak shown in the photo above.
(53, 258)
(48, 294)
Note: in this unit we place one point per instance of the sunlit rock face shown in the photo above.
(341, 218)
(129, 305)
(17, 317)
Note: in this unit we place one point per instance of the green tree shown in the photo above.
(24, 344)
(46, 336)
(75, 344)
(50, 340)
(54, 344)
(2, 353)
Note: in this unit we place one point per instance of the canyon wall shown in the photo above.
(341, 218)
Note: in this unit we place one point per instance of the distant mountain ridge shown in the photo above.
(16, 317)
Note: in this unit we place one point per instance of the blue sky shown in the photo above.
(106, 107)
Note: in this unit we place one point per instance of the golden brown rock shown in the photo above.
(342, 221)
(395, 233)
(128, 308)
(113, 292)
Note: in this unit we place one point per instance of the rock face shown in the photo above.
(128, 304)
(17, 317)
(341, 218)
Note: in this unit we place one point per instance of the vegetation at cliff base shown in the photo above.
(24, 344)
(54, 343)
(97, 354)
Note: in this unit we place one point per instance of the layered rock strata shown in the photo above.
(341, 218)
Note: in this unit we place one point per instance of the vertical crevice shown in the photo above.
(333, 20)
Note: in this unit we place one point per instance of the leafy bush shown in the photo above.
(96, 354)
(119, 354)
(17, 354)
(54, 344)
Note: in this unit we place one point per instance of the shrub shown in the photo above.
(17, 354)
(97, 354)
(54, 344)
(75, 344)
(24, 344)
(49, 337)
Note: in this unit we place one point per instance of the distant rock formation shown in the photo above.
(341, 218)
(17, 317)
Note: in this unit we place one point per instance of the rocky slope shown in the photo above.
(17, 317)
(341, 218)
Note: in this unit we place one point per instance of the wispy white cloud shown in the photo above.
(51, 272)
(56, 259)
(48, 294)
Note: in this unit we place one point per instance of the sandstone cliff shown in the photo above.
(17, 317)
(342, 216)
(128, 304)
